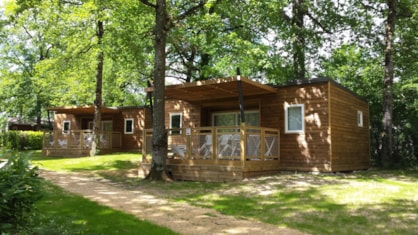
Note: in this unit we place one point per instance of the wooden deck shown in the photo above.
(219, 153)
(78, 143)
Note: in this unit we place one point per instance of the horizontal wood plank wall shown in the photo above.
(216, 170)
(190, 113)
(142, 120)
(222, 171)
(350, 143)
(61, 117)
(260, 168)
(309, 151)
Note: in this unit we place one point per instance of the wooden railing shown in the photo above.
(220, 143)
(81, 139)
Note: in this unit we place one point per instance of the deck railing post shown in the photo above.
(81, 139)
(214, 144)
(188, 133)
(243, 144)
(263, 143)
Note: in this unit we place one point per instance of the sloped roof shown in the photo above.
(216, 89)
(82, 109)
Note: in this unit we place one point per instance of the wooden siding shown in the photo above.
(130, 142)
(216, 171)
(61, 117)
(190, 112)
(142, 120)
(308, 151)
(350, 143)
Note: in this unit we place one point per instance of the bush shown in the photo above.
(22, 140)
(20, 188)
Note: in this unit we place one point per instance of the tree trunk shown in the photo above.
(98, 101)
(159, 133)
(299, 39)
(387, 122)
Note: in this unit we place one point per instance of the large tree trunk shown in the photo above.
(159, 133)
(387, 122)
(98, 101)
(299, 12)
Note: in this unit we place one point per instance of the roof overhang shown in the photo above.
(88, 110)
(221, 88)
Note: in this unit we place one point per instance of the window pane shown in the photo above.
(227, 119)
(252, 119)
(175, 122)
(294, 117)
(129, 126)
(66, 127)
(107, 126)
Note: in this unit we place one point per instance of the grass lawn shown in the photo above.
(60, 212)
(370, 202)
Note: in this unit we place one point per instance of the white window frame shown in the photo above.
(64, 130)
(359, 118)
(286, 118)
(171, 122)
(126, 125)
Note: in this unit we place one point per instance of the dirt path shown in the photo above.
(180, 217)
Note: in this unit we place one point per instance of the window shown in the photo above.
(360, 118)
(129, 126)
(294, 118)
(105, 125)
(66, 126)
(175, 122)
(234, 119)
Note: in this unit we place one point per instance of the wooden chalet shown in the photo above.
(121, 129)
(232, 128)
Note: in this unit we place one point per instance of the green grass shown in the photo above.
(372, 202)
(60, 212)
(118, 161)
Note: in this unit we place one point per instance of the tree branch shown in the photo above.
(191, 11)
(147, 3)
(72, 2)
(318, 23)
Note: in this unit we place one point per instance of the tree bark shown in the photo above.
(159, 133)
(387, 122)
(163, 24)
(299, 12)
(98, 100)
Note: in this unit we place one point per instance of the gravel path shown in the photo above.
(180, 217)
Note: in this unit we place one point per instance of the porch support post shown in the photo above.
(149, 96)
(240, 96)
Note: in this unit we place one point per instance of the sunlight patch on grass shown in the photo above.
(372, 202)
(109, 162)
(60, 212)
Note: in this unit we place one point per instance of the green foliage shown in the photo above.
(19, 189)
(21, 140)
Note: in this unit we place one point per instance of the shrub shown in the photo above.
(22, 140)
(20, 188)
